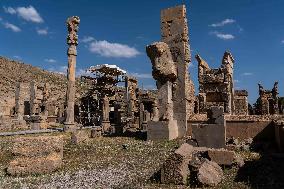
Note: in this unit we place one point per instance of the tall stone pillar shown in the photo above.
(106, 123)
(175, 34)
(163, 126)
(72, 41)
(19, 99)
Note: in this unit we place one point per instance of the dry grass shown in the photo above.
(122, 162)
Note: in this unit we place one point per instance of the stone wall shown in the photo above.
(36, 155)
(241, 102)
(246, 126)
(216, 87)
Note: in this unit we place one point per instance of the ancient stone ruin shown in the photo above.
(206, 131)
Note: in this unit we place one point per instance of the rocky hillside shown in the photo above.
(12, 72)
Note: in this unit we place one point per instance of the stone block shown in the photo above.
(209, 135)
(175, 170)
(35, 165)
(210, 173)
(221, 156)
(80, 136)
(279, 135)
(162, 130)
(96, 132)
(37, 146)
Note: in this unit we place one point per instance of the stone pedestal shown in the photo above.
(279, 134)
(144, 125)
(96, 132)
(162, 130)
(106, 126)
(38, 122)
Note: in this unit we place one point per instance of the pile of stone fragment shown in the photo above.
(199, 165)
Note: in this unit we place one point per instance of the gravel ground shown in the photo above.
(98, 163)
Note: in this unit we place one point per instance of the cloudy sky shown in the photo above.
(116, 32)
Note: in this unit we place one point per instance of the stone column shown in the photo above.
(141, 114)
(33, 104)
(175, 34)
(106, 122)
(72, 41)
(19, 99)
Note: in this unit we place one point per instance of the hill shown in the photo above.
(12, 71)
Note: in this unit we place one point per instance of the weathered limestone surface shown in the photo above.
(210, 173)
(36, 155)
(175, 170)
(163, 66)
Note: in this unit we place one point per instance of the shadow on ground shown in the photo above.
(265, 172)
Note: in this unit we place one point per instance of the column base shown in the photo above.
(162, 130)
(106, 126)
(69, 127)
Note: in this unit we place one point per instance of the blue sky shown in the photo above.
(116, 32)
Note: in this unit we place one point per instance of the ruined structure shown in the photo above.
(39, 95)
(21, 99)
(211, 134)
(72, 41)
(174, 51)
(216, 87)
(164, 72)
(105, 79)
(267, 103)
(241, 102)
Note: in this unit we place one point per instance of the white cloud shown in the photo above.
(10, 10)
(12, 27)
(223, 36)
(149, 87)
(282, 41)
(87, 39)
(223, 23)
(142, 75)
(17, 57)
(42, 31)
(63, 70)
(247, 74)
(117, 50)
(59, 70)
(27, 13)
(50, 60)
(236, 81)
(82, 72)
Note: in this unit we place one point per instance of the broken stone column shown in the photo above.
(175, 170)
(72, 41)
(164, 72)
(175, 34)
(19, 99)
(105, 122)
